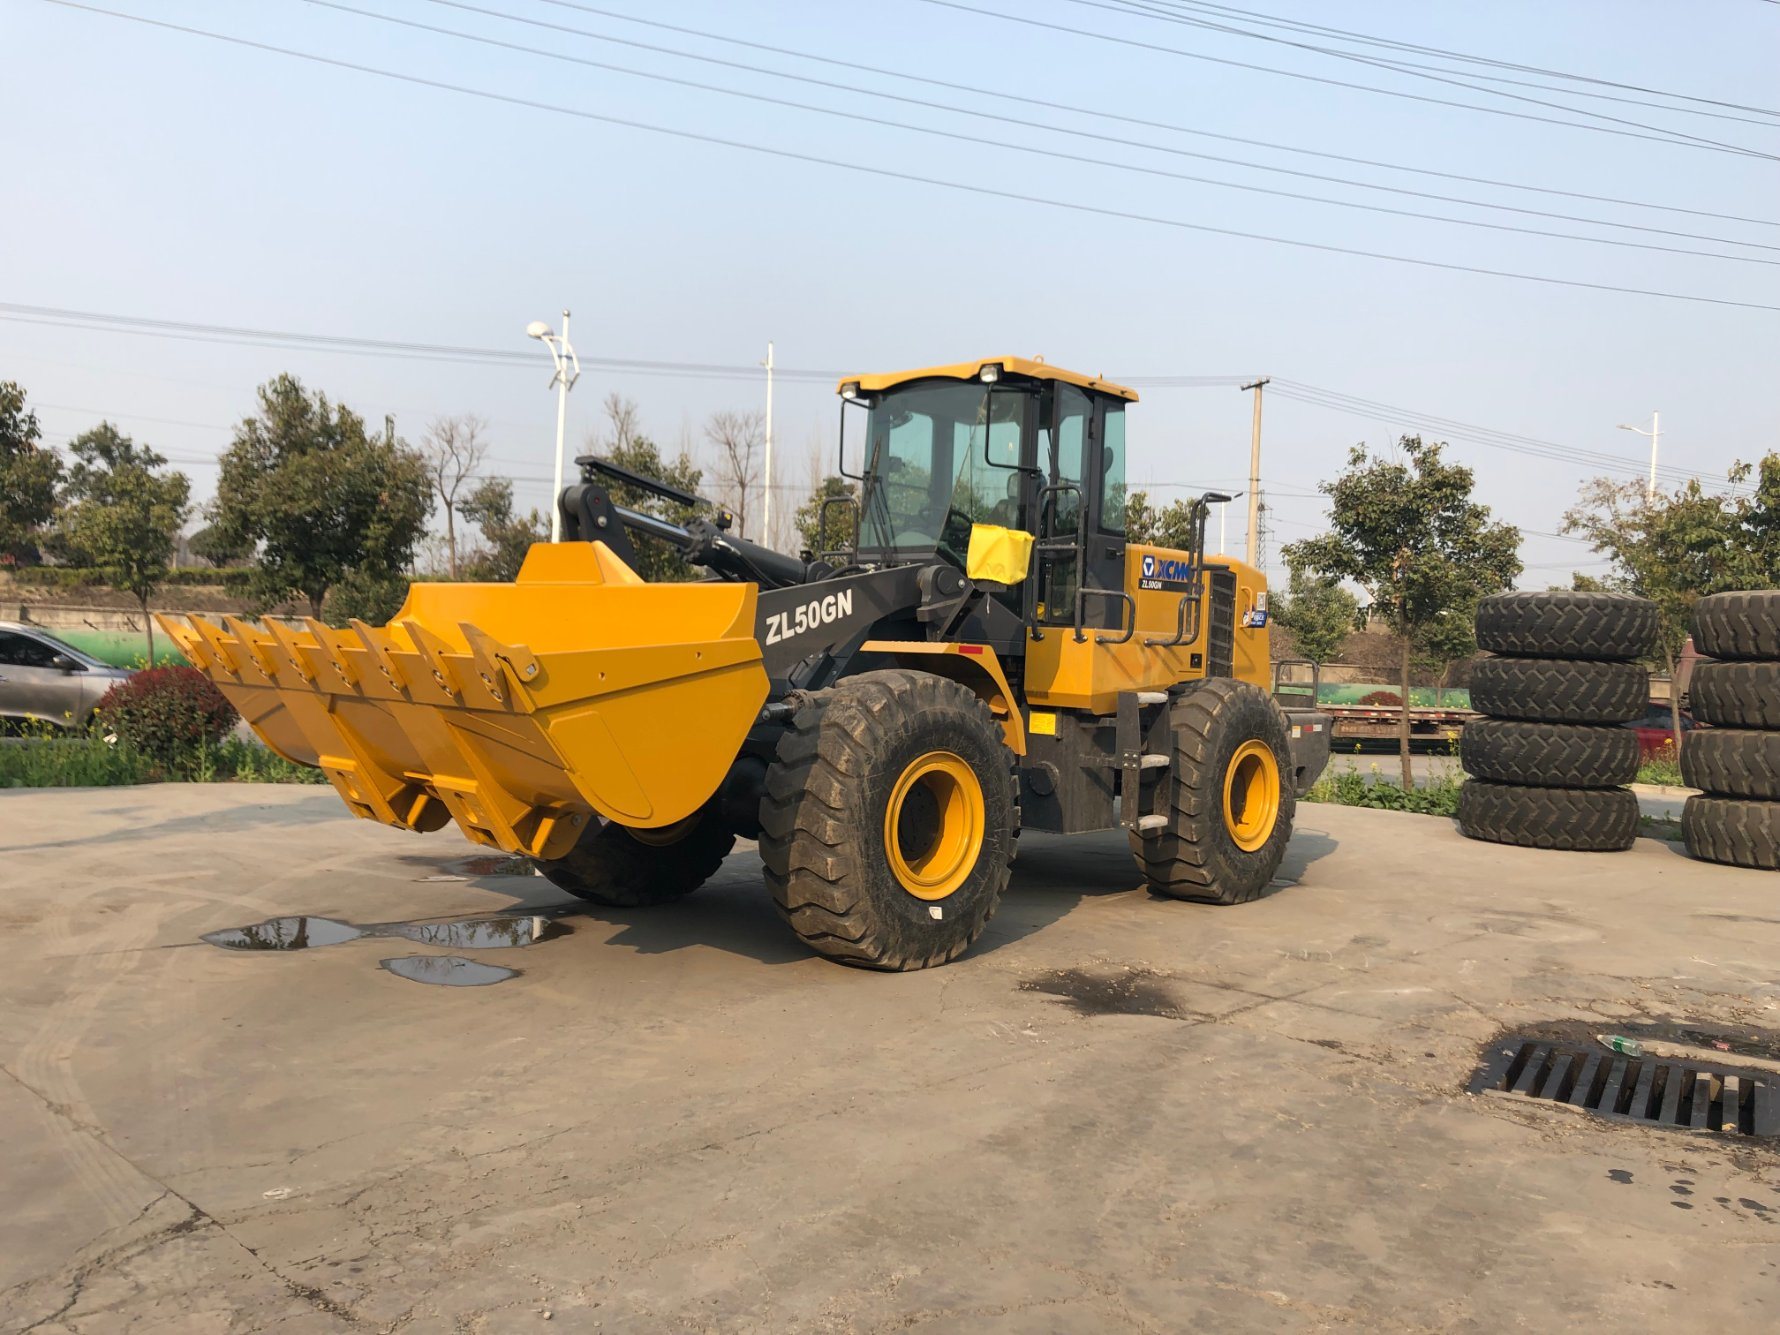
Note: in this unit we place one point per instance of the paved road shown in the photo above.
(1117, 1113)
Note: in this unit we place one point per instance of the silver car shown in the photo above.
(43, 680)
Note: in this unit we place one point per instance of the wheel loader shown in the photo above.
(976, 649)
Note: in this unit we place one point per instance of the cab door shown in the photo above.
(1104, 561)
(1065, 422)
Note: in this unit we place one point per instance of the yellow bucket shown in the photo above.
(518, 710)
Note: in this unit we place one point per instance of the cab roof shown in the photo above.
(1033, 368)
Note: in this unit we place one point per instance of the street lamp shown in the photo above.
(1656, 434)
(568, 371)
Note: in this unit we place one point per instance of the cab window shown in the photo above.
(1112, 468)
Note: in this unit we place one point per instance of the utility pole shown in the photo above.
(389, 429)
(568, 371)
(1656, 434)
(766, 501)
(1254, 476)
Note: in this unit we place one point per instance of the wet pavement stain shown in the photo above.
(298, 933)
(446, 970)
(1130, 992)
(491, 933)
(484, 931)
(495, 864)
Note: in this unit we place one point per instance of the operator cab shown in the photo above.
(1009, 442)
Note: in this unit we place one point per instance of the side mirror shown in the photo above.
(63, 663)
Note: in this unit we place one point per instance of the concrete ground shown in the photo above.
(1116, 1113)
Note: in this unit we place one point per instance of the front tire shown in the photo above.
(623, 868)
(888, 824)
(1229, 812)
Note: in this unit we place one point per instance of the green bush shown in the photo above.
(47, 757)
(168, 715)
(1350, 788)
(85, 577)
(1662, 768)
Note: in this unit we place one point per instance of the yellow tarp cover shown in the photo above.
(999, 554)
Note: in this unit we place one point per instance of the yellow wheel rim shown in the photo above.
(1251, 795)
(933, 825)
(666, 835)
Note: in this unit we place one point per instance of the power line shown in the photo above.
(286, 339)
(1365, 39)
(1466, 432)
(1101, 114)
(1434, 73)
(1678, 141)
(791, 155)
(1054, 129)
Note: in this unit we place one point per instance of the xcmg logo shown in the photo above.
(1166, 568)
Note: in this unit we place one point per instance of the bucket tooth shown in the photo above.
(380, 655)
(210, 638)
(287, 643)
(257, 650)
(332, 645)
(431, 650)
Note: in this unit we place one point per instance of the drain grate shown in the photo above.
(1657, 1091)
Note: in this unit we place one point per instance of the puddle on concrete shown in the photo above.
(447, 970)
(483, 931)
(490, 933)
(495, 864)
(1116, 992)
(301, 933)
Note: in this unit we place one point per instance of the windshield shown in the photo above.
(941, 456)
(60, 646)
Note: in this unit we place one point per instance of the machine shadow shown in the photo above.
(734, 912)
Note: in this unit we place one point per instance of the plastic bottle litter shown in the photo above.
(1625, 1047)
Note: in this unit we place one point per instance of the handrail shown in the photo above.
(1193, 599)
(1081, 597)
(822, 527)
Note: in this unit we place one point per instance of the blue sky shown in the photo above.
(159, 174)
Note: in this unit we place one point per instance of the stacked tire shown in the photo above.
(1550, 762)
(1736, 762)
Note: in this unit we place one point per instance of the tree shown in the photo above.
(1674, 548)
(738, 438)
(29, 475)
(1319, 613)
(508, 536)
(454, 450)
(317, 497)
(628, 447)
(839, 530)
(122, 513)
(1409, 534)
(1168, 527)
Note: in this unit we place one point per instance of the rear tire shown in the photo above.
(1565, 624)
(1553, 755)
(1559, 690)
(623, 868)
(1738, 626)
(1730, 762)
(889, 819)
(1732, 830)
(1577, 820)
(1736, 695)
(1228, 821)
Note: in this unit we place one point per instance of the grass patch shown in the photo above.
(49, 757)
(1662, 768)
(1351, 787)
